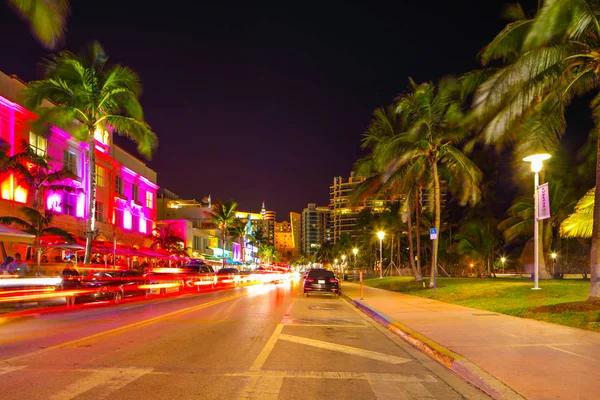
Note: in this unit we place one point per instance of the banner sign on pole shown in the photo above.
(543, 202)
(433, 234)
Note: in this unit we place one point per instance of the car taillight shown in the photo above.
(333, 280)
(309, 280)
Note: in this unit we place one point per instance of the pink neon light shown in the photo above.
(147, 182)
(142, 225)
(80, 207)
(130, 172)
(53, 202)
(127, 219)
(99, 148)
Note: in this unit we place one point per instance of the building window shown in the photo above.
(135, 193)
(119, 185)
(37, 144)
(101, 136)
(99, 176)
(148, 226)
(99, 212)
(135, 223)
(69, 204)
(69, 162)
(197, 245)
(149, 200)
(119, 218)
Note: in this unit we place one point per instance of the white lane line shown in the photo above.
(376, 377)
(345, 349)
(387, 390)
(262, 388)
(416, 390)
(264, 353)
(8, 369)
(111, 378)
(574, 354)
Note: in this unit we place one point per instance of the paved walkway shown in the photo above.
(538, 360)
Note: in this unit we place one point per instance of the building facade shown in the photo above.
(284, 240)
(313, 228)
(126, 187)
(343, 214)
(295, 221)
(268, 224)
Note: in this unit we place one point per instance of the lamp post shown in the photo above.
(355, 252)
(342, 266)
(335, 262)
(381, 235)
(536, 161)
(553, 255)
(503, 260)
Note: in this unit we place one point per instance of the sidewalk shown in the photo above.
(495, 352)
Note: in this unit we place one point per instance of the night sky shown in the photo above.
(256, 101)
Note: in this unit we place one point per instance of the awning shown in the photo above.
(15, 236)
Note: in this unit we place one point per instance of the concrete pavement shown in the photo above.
(505, 356)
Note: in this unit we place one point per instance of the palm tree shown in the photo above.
(37, 223)
(165, 238)
(47, 19)
(223, 214)
(479, 239)
(35, 172)
(267, 252)
(91, 96)
(557, 61)
(238, 231)
(581, 222)
(433, 119)
(325, 253)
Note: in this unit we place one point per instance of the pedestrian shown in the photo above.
(70, 282)
(6, 267)
(19, 266)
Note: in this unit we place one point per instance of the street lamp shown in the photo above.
(536, 161)
(381, 235)
(342, 266)
(553, 255)
(355, 251)
(503, 260)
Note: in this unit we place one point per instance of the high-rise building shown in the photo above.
(295, 219)
(268, 218)
(343, 214)
(313, 228)
(284, 241)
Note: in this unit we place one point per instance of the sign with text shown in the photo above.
(543, 201)
(433, 234)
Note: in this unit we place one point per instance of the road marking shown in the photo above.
(334, 375)
(262, 388)
(123, 329)
(8, 369)
(574, 354)
(264, 353)
(110, 379)
(393, 390)
(345, 349)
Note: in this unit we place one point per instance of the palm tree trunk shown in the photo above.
(91, 225)
(418, 231)
(437, 212)
(594, 294)
(411, 254)
(223, 250)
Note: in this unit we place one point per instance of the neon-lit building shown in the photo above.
(126, 187)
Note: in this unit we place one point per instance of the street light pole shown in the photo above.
(536, 161)
(381, 235)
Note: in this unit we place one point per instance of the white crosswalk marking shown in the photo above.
(394, 390)
(110, 379)
(8, 369)
(262, 388)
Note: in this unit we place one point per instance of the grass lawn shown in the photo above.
(559, 301)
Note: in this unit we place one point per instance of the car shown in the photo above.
(113, 286)
(321, 281)
(166, 282)
(198, 275)
(228, 276)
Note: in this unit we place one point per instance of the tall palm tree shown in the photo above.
(91, 96)
(38, 223)
(267, 252)
(557, 61)
(581, 222)
(433, 117)
(47, 19)
(223, 214)
(325, 253)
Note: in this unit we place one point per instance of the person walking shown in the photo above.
(70, 282)
(19, 266)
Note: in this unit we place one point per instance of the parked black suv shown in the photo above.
(321, 281)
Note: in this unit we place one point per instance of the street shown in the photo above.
(255, 342)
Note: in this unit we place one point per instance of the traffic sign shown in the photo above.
(433, 234)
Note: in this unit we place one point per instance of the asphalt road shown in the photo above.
(257, 342)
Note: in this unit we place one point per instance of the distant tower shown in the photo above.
(268, 218)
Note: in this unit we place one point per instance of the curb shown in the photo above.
(460, 365)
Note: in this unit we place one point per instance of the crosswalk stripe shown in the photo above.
(335, 375)
(110, 379)
(7, 369)
(394, 390)
(345, 349)
(262, 388)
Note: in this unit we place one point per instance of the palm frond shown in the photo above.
(47, 19)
